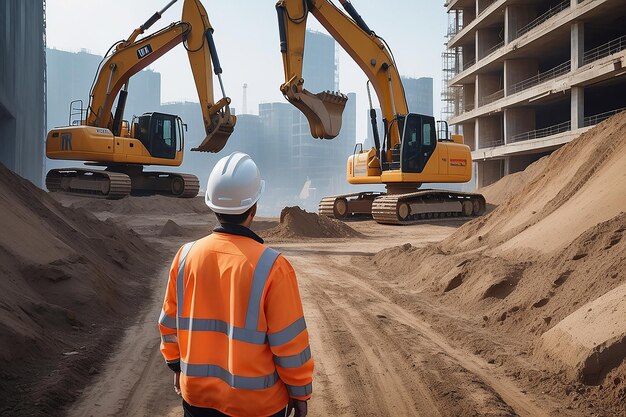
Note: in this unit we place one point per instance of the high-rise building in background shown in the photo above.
(419, 94)
(320, 70)
(22, 87)
(524, 79)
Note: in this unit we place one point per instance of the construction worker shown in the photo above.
(232, 326)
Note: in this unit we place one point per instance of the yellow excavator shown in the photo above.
(410, 153)
(122, 148)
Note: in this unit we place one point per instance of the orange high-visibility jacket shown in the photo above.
(232, 317)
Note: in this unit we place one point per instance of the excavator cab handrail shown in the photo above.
(80, 111)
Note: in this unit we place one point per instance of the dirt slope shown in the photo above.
(507, 187)
(66, 282)
(543, 254)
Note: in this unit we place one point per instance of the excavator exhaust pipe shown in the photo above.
(323, 111)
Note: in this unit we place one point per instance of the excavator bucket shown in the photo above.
(221, 127)
(323, 111)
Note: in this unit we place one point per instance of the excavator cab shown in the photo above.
(419, 139)
(161, 134)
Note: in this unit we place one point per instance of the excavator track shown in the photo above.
(402, 209)
(348, 205)
(116, 183)
(167, 183)
(92, 182)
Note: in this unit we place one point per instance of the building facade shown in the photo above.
(525, 78)
(22, 87)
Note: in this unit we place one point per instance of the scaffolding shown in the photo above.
(452, 59)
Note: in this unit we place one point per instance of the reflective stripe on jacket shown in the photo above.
(233, 318)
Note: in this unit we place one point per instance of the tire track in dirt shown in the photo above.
(360, 384)
(478, 385)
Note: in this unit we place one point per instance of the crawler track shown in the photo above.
(92, 182)
(119, 182)
(403, 208)
(427, 204)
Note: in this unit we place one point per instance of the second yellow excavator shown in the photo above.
(122, 148)
(410, 153)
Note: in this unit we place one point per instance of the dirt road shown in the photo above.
(377, 351)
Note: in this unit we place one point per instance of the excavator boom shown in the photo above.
(131, 56)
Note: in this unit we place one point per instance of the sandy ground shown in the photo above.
(375, 354)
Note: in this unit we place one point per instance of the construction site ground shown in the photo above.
(519, 312)
(379, 350)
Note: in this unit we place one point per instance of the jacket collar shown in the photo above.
(237, 229)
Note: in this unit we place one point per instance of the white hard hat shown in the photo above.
(234, 185)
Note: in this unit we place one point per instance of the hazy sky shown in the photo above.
(246, 34)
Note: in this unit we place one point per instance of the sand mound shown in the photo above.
(156, 204)
(67, 282)
(171, 228)
(556, 245)
(295, 222)
(510, 185)
(578, 186)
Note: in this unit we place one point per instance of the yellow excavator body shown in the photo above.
(104, 139)
(409, 155)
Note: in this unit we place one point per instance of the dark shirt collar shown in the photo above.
(237, 229)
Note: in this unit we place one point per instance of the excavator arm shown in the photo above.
(370, 52)
(131, 56)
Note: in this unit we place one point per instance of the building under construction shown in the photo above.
(523, 79)
(22, 87)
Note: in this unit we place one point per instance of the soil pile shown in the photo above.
(67, 284)
(541, 260)
(171, 228)
(156, 204)
(296, 222)
(501, 191)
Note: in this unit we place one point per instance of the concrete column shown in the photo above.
(578, 44)
(476, 134)
(476, 94)
(578, 107)
(507, 166)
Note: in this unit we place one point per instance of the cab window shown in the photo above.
(418, 142)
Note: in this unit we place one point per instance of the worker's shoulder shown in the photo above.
(281, 264)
